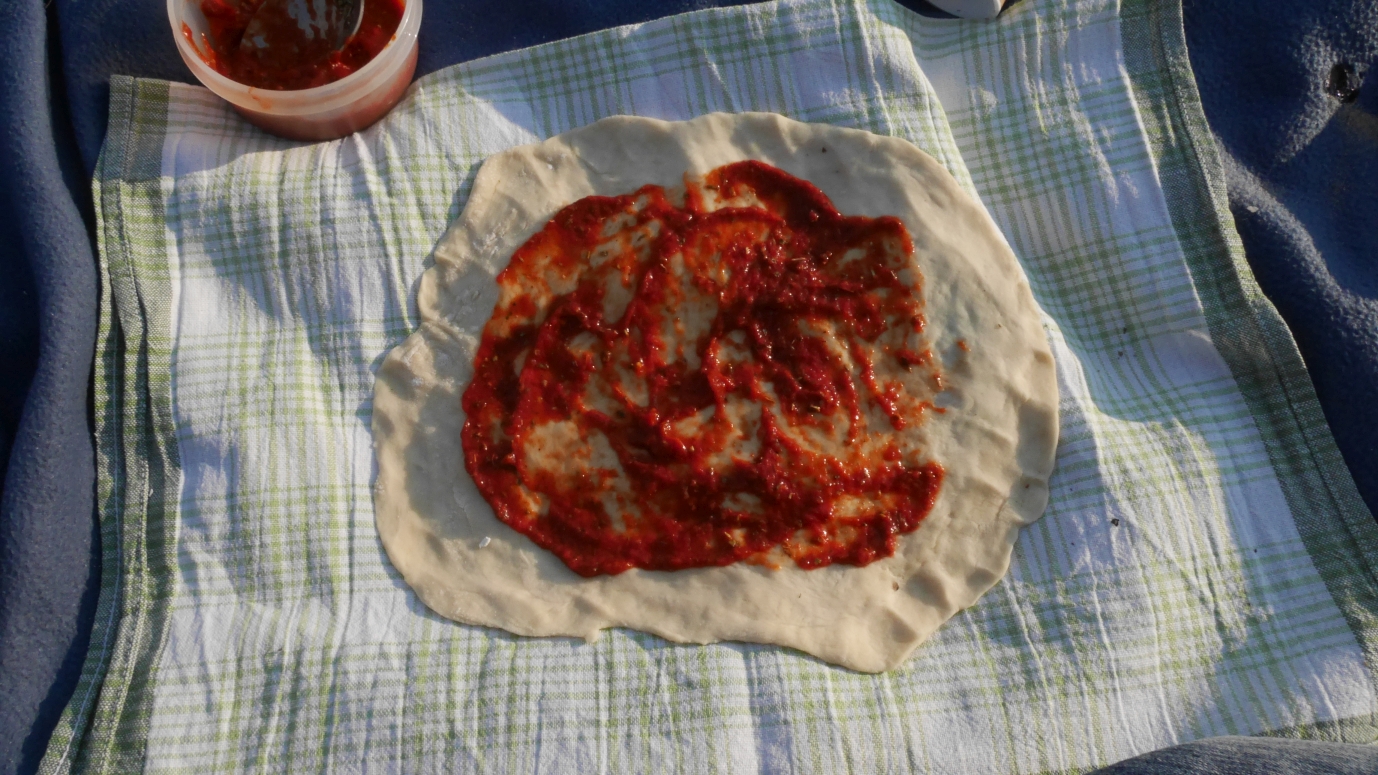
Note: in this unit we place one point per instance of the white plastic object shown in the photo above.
(971, 9)
(319, 113)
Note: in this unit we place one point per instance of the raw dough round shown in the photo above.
(996, 438)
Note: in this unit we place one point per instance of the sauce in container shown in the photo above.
(304, 93)
(288, 60)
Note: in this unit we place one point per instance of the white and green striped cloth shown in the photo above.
(1205, 566)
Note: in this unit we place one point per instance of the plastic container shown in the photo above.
(319, 113)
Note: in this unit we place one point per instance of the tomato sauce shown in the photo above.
(803, 307)
(289, 60)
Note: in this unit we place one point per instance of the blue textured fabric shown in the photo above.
(1302, 170)
(1303, 179)
(1252, 756)
(47, 337)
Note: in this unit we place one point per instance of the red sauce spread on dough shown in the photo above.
(289, 61)
(711, 382)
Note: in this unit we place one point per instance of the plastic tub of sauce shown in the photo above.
(321, 99)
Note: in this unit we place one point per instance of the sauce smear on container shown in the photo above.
(674, 384)
(288, 58)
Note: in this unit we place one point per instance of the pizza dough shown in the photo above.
(995, 438)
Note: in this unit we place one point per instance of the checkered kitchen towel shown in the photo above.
(1205, 566)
